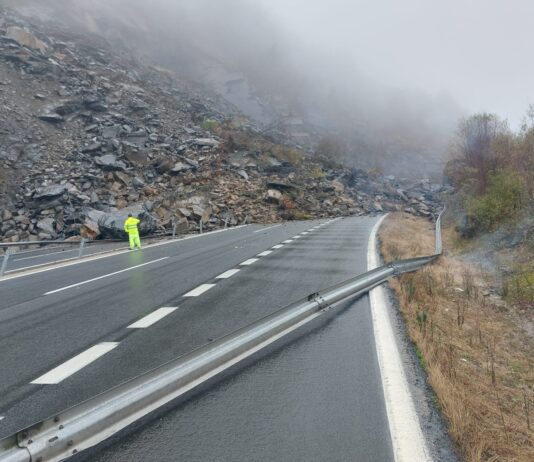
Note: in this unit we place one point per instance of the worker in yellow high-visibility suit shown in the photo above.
(130, 226)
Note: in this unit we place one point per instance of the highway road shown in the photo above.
(69, 333)
(40, 256)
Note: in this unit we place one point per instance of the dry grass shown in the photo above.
(478, 360)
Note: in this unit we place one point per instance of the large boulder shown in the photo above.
(47, 225)
(273, 196)
(111, 224)
(110, 162)
(26, 39)
(49, 192)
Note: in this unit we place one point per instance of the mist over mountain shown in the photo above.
(240, 50)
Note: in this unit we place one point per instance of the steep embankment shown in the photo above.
(89, 133)
(474, 343)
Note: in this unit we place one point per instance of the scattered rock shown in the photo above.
(26, 39)
(274, 196)
(110, 162)
(50, 191)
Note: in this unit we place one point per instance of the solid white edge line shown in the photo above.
(407, 438)
(265, 253)
(98, 256)
(103, 276)
(73, 365)
(199, 290)
(249, 262)
(265, 229)
(277, 246)
(45, 255)
(228, 274)
(153, 317)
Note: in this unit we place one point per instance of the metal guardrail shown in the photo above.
(82, 243)
(91, 422)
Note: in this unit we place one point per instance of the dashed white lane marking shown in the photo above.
(1, 417)
(296, 237)
(277, 246)
(405, 429)
(199, 290)
(304, 233)
(289, 241)
(42, 268)
(104, 276)
(265, 229)
(75, 364)
(265, 253)
(249, 262)
(153, 317)
(228, 274)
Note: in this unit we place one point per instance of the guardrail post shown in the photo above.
(82, 245)
(226, 223)
(173, 229)
(201, 226)
(4, 262)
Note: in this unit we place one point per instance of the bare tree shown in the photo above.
(475, 148)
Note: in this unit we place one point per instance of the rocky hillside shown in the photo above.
(88, 133)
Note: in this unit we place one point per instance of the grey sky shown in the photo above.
(476, 50)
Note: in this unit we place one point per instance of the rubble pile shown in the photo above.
(89, 134)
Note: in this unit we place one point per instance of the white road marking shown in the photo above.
(289, 241)
(45, 255)
(265, 253)
(404, 426)
(265, 229)
(228, 274)
(277, 246)
(104, 276)
(153, 317)
(296, 237)
(1, 417)
(199, 290)
(97, 256)
(304, 233)
(75, 364)
(249, 262)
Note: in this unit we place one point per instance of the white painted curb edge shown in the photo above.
(408, 441)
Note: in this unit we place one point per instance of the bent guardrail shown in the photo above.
(91, 422)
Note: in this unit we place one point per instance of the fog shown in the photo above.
(389, 79)
(474, 50)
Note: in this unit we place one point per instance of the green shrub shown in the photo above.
(519, 288)
(501, 202)
(317, 173)
(284, 154)
(210, 125)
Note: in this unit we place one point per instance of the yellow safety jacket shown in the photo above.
(130, 225)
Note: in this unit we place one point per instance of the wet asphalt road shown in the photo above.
(320, 398)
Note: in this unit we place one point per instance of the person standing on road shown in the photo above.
(130, 226)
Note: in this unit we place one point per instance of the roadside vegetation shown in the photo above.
(492, 171)
(471, 314)
(475, 345)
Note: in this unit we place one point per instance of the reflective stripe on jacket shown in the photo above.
(130, 225)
